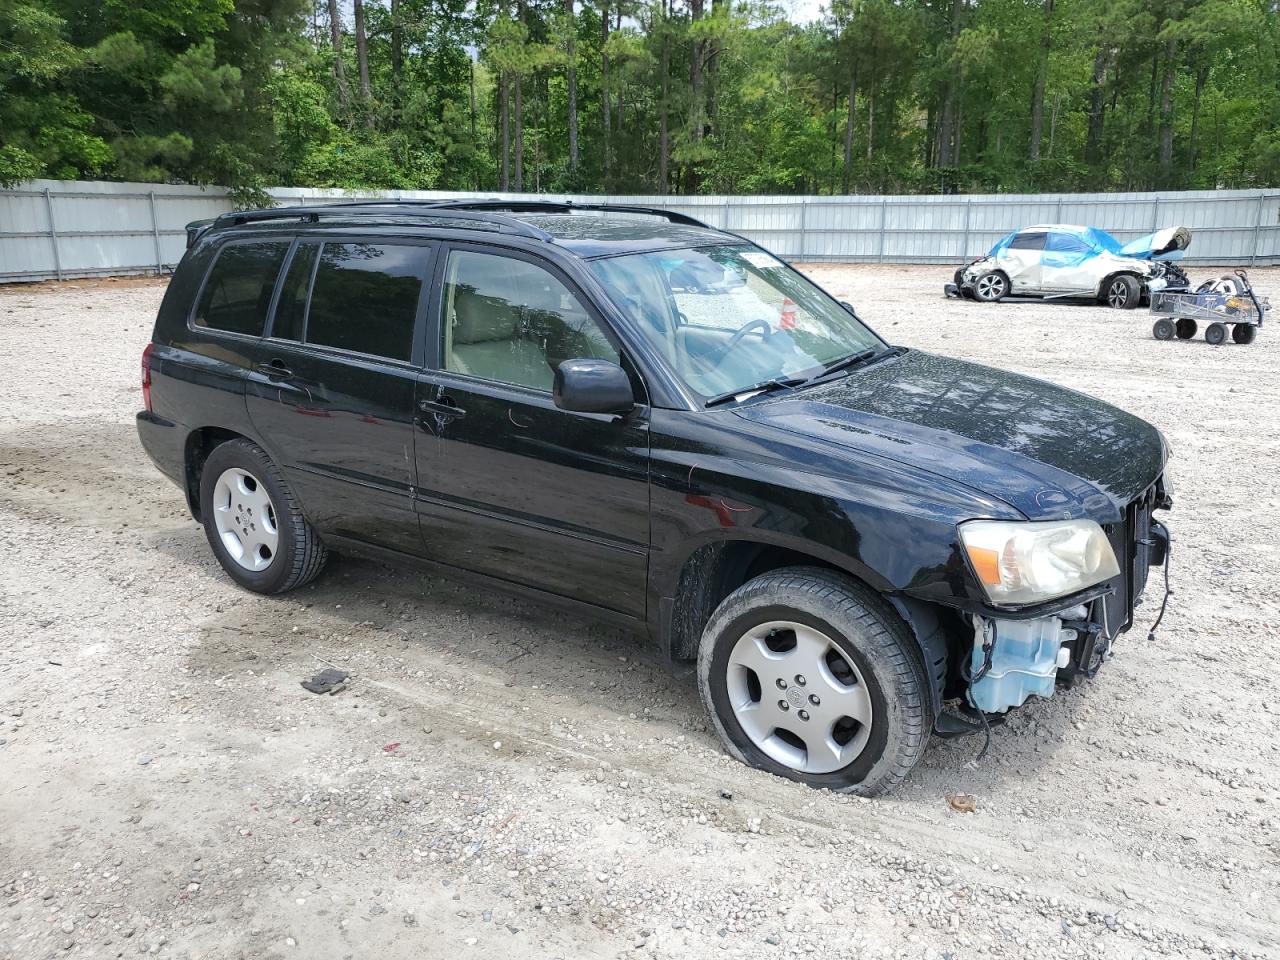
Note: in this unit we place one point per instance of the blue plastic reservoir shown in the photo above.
(1024, 661)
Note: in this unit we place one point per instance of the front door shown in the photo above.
(1021, 261)
(509, 485)
(332, 390)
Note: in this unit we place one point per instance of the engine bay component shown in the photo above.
(1016, 659)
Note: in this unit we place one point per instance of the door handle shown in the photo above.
(275, 370)
(444, 407)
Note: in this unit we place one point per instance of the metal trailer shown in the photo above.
(1228, 304)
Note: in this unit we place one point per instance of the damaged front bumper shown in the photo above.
(1013, 657)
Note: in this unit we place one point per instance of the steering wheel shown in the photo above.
(741, 333)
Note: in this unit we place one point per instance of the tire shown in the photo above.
(991, 287)
(871, 667)
(257, 499)
(1123, 292)
(1163, 330)
(1186, 329)
(1243, 333)
(1215, 333)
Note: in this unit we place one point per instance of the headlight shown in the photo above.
(1021, 562)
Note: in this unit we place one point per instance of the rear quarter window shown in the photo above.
(237, 293)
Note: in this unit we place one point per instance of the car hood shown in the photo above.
(1048, 451)
(1164, 241)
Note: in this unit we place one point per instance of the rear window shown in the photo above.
(365, 297)
(237, 293)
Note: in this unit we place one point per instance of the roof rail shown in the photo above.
(398, 208)
(569, 206)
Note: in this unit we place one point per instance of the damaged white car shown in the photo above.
(1054, 261)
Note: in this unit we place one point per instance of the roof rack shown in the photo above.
(569, 206)
(401, 208)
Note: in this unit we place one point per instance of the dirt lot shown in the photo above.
(502, 780)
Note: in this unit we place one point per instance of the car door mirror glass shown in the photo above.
(587, 385)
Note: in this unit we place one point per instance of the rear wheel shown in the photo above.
(1215, 333)
(1163, 330)
(1123, 292)
(1186, 328)
(254, 525)
(1243, 333)
(991, 287)
(808, 675)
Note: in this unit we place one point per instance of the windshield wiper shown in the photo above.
(764, 386)
(846, 363)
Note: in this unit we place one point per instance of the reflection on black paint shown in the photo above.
(968, 419)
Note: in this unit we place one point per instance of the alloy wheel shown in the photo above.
(991, 287)
(799, 697)
(1118, 294)
(246, 519)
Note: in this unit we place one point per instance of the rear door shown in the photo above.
(332, 390)
(1021, 261)
(509, 485)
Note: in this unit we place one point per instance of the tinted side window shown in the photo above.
(511, 321)
(1027, 241)
(291, 308)
(365, 297)
(237, 294)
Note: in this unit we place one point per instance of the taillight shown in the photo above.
(146, 376)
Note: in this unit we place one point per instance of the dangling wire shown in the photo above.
(986, 730)
(966, 672)
(988, 646)
(1168, 557)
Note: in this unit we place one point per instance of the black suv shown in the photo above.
(660, 424)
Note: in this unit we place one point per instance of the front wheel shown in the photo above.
(1215, 333)
(1123, 292)
(1243, 333)
(809, 675)
(254, 525)
(991, 287)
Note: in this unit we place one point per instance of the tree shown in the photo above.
(644, 95)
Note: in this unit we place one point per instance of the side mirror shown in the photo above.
(592, 386)
(849, 306)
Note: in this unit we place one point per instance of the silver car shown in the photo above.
(1067, 261)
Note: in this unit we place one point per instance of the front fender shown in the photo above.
(891, 525)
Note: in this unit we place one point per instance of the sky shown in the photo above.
(804, 11)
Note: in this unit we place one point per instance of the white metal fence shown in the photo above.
(59, 229)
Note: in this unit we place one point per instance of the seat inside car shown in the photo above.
(485, 342)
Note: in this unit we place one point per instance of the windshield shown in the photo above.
(729, 317)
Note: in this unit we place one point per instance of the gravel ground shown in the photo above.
(500, 777)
